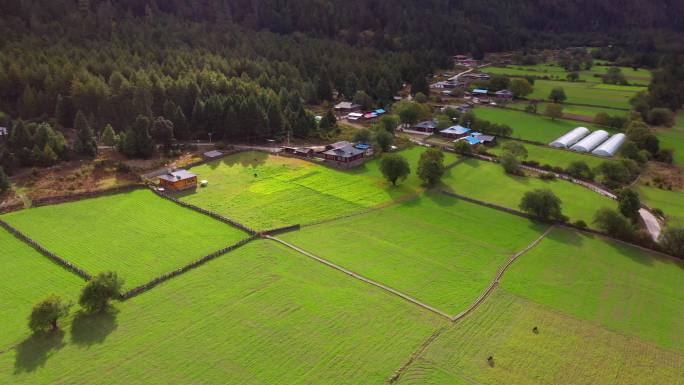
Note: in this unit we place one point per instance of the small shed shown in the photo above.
(211, 155)
(178, 180)
(354, 116)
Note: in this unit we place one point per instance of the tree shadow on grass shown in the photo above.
(34, 351)
(90, 329)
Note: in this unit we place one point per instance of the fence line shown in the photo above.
(166, 276)
(204, 211)
(47, 253)
(281, 230)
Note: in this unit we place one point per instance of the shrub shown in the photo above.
(661, 117)
(547, 176)
(672, 240)
(580, 224)
(614, 224)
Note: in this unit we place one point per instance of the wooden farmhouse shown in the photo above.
(178, 180)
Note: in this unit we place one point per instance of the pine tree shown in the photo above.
(85, 143)
(108, 137)
(4, 181)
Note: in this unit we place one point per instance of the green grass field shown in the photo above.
(552, 156)
(535, 127)
(674, 138)
(488, 182)
(566, 351)
(437, 249)
(27, 277)
(555, 72)
(671, 202)
(584, 113)
(266, 192)
(260, 315)
(603, 95)
(137, 234)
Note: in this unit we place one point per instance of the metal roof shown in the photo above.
(431, 124)
(480, 91)
(347, 151)
(177, 175)
(213, 154)
(472, 140)
(457, 130)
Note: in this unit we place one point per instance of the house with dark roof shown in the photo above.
(504, 94)
(344, 154)
(347, 107)
(178, 180)
(428, 126)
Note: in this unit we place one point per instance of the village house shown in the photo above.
(178, 180)
(304, 152)
(343, 154)
(455, 132)
(428, 126)
(347, 107)
(504, 95)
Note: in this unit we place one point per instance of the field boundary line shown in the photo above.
(415, 355)
(360, 277)
(479, 301)
(192, 265)
(206, 212)
(45, 252)
(499, 275)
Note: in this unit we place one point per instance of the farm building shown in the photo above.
(487, 140)
(354, 116)
(504, 94)
(455, 132)
(347, 107)
(472, 140)
(570, 138)
(591, 142)
(427, 126)
(304, 152)
(178, 180)
(211, 155)
(344, 154)
(610, 146)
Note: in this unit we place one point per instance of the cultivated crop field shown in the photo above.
(535, 127)
(438, 249)
(602, 95)
(488, 182)
(260, 315)
(265, 191)
(552, 156)
(566, 350)
(572, 111)
(137, 234)
(555, 72)
(27, 277)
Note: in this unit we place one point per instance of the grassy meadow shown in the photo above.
(260, 315)
(26, 278)
(535, 127)
(673, 138)
(671, 202)
(572, 111)
(566, 350)
(553, 71)
(137, 234)
(617, 286)
(552, 156)
(603, 95)
(265, 191)
(437, 249)
(488, 182)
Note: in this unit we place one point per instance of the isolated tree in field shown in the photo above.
(521, 87)
(46, 313)
(5, 182)
(553, 111)
(557, 95)
(672, 239)
(542, 203)
(384, 140)
(462, 147)
(572, 76)
(394, 167)
(109, 137)
(431, 166)
(581, 170)
(629, 203)
(363, 135)
(613, 223)
(85, 143)
(389, 123)
(510, 163)
(97, 293)
(516, 149)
